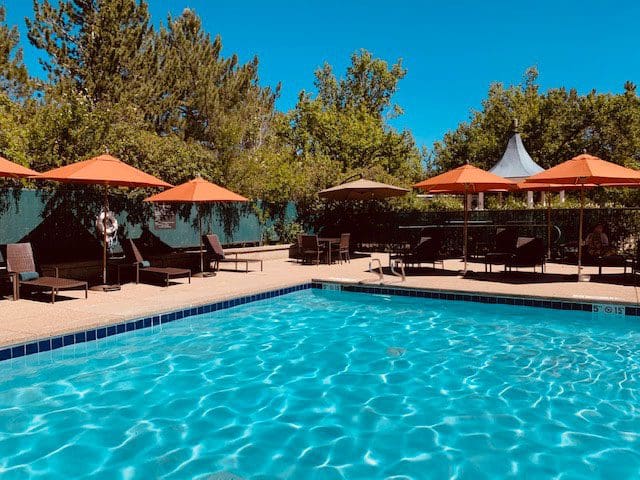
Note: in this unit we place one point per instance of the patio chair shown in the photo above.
(427, 251)
(311, 249)
(529, 252)
(342, 249)
(21, 263)
(299, 256)
(6, 276)
(216, 253)
(569, 255)
(504, 248)
(144, 269)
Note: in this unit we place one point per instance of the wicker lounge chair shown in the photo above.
(217, 255)
(21, 263)
(8, 277)
(504, 248)
(145, 270)
(529, 252)
(427, 251)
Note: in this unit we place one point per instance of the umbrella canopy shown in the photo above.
(103, 170)
(107, 171)
(197, 191)
(464, 180)
(586, 171)
(13, 170)
(362, 190)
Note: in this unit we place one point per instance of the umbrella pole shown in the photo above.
(549, 226)
(200, 238)
(104, 287)
(104, 240)
(464, 233)
(580, 231)
(201, 273)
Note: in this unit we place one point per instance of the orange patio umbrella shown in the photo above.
(197, 191)
(582, 172)
(465, 180)
(107, 171)
(9, 169)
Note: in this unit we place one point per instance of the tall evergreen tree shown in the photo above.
(99, 46)
(206, 98)
(14, 78)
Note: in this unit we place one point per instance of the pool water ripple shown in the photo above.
(331, 385)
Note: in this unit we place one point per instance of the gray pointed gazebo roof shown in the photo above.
(516, 163)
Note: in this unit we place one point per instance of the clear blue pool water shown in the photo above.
(329, 385)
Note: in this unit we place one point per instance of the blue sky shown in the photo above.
(453, 49)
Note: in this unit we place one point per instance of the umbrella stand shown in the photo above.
(104, 287)
(201, 273)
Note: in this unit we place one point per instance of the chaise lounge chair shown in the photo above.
(21, 263)
(529, 252)
(144, 268)
(217, 255)
(427, 251)
(504, 248)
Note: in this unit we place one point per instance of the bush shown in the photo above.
(287, 232)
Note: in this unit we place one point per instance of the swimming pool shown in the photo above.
(320, 385)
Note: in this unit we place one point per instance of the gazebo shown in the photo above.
(516, 164)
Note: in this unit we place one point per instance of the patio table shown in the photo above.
(329, 241)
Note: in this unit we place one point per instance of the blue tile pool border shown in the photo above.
(97, 333)
(53, 343)
(521, 301)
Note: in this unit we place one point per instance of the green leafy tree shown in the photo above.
(347, 122)
(555, 126)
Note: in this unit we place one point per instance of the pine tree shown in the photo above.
(99, 46)
(14, 79)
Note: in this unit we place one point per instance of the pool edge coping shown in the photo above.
(54, 342)
(99, 332)
(537, 301)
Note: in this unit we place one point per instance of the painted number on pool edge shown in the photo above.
(604, 309)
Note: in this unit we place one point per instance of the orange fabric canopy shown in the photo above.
(587, 169)
(551, 187)
(197, 190)
(13, 170)
(103, 170)
(465, 179)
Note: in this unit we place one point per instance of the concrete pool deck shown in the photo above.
(29, 319)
